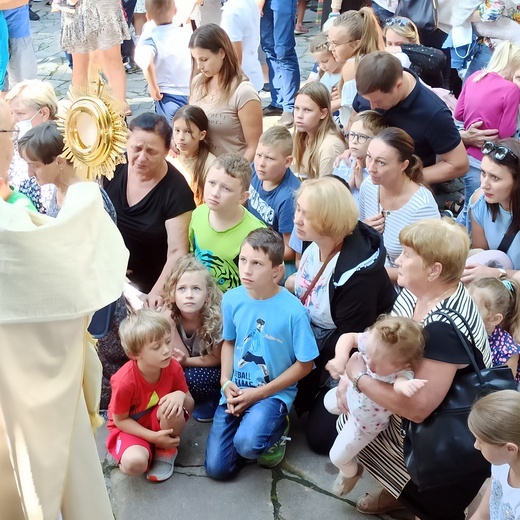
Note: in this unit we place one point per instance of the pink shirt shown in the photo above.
(492, 100)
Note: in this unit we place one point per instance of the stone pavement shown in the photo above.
(53, 65)
(297, 489)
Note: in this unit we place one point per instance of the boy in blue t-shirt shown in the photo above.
(273, 184)
(268, 347)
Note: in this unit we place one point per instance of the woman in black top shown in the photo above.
(153, 203)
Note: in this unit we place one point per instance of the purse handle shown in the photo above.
(336, 250)
(464, 341)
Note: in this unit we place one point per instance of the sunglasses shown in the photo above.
(401, 22)
(499, 152)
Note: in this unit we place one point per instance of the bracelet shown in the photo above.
(225, 385)
(356, 380)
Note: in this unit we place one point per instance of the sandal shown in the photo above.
(128, 110)
(381, 501)
(455, 206)
(344, 485)
(300, 29)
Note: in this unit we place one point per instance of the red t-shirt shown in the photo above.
(132, 394)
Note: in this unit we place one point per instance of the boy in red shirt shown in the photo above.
(150, 401)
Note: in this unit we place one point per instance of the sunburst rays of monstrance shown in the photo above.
(94, 130)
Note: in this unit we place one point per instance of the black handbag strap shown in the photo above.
(506, 242)
(469, 351)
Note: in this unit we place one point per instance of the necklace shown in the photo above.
(212, 95)
(429, 304)
(386, 212)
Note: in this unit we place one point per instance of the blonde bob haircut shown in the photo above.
(36, 94)
(442, 241)
(331, 210)
(140, 328)
(494, 418)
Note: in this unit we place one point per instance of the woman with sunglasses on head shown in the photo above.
(401, 35)
(495, 210)
(490, 97)
(394, 195)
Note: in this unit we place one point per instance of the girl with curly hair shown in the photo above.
(192, 300)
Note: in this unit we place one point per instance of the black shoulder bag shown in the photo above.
(424, 13)
(439, 451)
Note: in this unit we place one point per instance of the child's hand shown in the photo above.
(377, 222)
(163, 439)
(335, 93)
(341, 394)
(335, 368)
(345, 156)
(171, 405)
(409, 387)
(155, 92)
(179, 356)
(230, 392)
(357, 174)
(240, 403)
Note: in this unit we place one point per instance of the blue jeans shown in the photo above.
(233, 439)
(278, 42)
(168, 105)
(480, 60)
(471, 184)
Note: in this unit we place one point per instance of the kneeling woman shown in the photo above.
(341, 280)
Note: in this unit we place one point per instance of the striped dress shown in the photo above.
(384, 456)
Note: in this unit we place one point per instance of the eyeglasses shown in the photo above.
(14, 134)
(361, 138)
(401, 22)
(499, 152)
(333, 45)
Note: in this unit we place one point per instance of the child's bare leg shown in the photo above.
(134, 461)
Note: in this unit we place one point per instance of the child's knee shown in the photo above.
(248, 445)
(134, 461)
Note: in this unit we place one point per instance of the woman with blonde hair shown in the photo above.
(221, 89)
(429, 270)
(31, 102)
(317, 140)
(401, 35)
(341, 280)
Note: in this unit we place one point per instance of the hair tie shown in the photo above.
(509, 286)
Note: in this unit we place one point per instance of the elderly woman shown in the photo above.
(344, 267)
(495, 212)
(222, 90)
(153, 204)
(394, 195)
(32, 102)
(429, 270)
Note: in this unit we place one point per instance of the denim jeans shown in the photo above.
(168, 105)
(233, 439)
(278, 42)
(480, 59)
(471, 184)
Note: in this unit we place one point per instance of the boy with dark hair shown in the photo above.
(268, 347)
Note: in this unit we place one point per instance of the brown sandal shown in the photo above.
(378, 502)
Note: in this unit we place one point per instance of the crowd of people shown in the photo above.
(357, 266)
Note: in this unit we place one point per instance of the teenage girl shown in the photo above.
(190, 128)
(317, 140)
(498, 303)
(493, 421)
(192, 300)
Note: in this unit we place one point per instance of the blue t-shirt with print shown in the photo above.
(275, 207)
(270, 336)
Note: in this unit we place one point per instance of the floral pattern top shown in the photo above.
(503, 347)
(492, 10)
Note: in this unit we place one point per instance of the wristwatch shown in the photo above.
(356, 380)
(503, 274)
